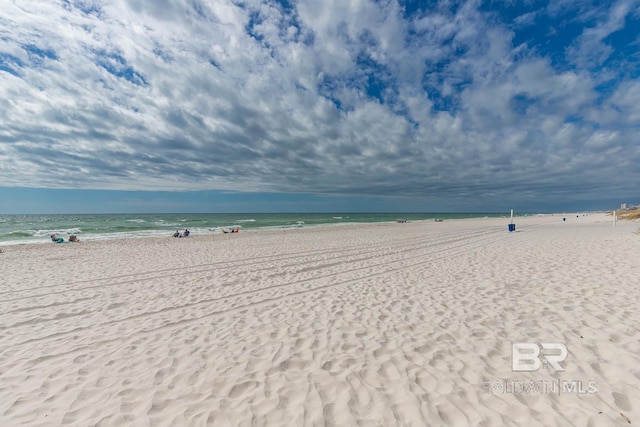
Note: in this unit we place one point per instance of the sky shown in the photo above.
(333, 105)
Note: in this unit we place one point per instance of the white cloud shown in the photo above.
(591, 49)
(345, 97)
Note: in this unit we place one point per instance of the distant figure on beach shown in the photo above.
(56, 239)
(185, 233)
(73, 238)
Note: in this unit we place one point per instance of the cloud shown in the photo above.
(590, 48)
(335, 97)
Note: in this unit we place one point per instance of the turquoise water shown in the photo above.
(17, 229)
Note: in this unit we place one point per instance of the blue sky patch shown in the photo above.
(10, 64)
(117, 66)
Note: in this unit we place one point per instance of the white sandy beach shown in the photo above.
(369, 325)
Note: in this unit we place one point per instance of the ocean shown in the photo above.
(34, 229)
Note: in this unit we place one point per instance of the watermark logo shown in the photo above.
(558, 387)
(530, 356)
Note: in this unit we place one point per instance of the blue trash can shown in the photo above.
(512, 227)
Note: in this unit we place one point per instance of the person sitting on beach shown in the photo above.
(176, 234)
(186, 233)
(73, 238)
(56, 239)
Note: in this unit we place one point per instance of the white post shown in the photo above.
(614, 218)
(511, 216)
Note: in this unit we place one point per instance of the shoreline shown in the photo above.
(161, 233)
(153, 234)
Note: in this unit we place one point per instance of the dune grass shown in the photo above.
(630, 214)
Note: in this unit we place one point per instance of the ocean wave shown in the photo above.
(167, 224)
(21, 233)
(48, 232)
